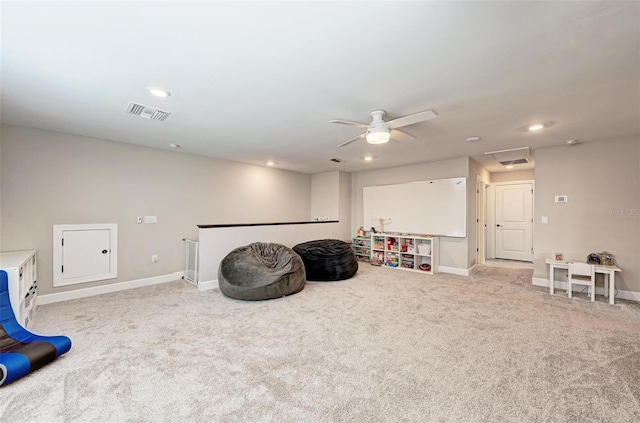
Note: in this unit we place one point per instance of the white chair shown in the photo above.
(582, 274)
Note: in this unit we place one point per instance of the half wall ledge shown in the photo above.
(216, 241)
(234, 225)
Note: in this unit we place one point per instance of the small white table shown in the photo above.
(608, 271)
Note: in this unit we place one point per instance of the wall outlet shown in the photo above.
(154, 258)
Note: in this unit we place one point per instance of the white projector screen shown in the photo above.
(436, 207)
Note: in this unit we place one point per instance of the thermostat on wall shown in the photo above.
(561, 199)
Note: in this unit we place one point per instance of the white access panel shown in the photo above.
(84, 253)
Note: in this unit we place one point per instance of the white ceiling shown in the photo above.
(260, 81)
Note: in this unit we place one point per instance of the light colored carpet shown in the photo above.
(385, 346)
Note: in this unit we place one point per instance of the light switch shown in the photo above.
(545, 220)
(151, 219)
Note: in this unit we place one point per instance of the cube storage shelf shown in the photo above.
(362, 248)
(407, 252)
(23, 286)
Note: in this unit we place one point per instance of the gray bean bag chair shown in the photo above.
(327, 259)
(261, 271)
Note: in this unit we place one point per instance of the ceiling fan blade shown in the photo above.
(352, 140)
(346, 122)
(399, 135)
(411, 119)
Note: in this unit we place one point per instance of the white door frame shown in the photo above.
(495, 229)
(481, 219)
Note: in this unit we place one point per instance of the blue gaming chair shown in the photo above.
(21, 351)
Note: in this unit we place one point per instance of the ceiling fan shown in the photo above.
(380, 131)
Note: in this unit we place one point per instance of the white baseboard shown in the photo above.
(562, 285)
(106, 289)
(473, 269)
(208, 285)
(454, 270)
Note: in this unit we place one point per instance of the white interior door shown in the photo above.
(514, 221)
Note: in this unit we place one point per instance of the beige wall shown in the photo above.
(331, 196)
(344, 206)
(601, 181)
(453, 251)
(52, 178)
(324, 195)
(515, 175)
(476, 171)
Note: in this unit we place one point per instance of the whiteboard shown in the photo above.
(436, 207)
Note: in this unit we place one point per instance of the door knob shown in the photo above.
(499, 226)
(104, 251)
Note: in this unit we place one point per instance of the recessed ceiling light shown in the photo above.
(368, 158)
(473, 139)
(509, 166)
(159, 92)
(174, 145)
(571, 142)
(536, 127)
(270, 163)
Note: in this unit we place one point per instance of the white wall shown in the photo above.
(453, 251)
(601, 181)
(49, 178)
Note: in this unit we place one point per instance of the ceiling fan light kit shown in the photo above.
(378, 135)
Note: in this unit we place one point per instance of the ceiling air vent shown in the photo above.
(513, 162)
(511, 156)
(336, 160)
(146, 112)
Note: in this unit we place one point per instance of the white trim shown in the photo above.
(208, 285)
(454, 270)
(562, 285)
(481, 235)
(533, 208)
(542, 282)
(473, 269)
(106, 289)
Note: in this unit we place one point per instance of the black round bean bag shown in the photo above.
(327, 259)
(261, 271)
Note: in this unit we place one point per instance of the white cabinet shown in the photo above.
(84, 253)
(408, 252)
(23, 286)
